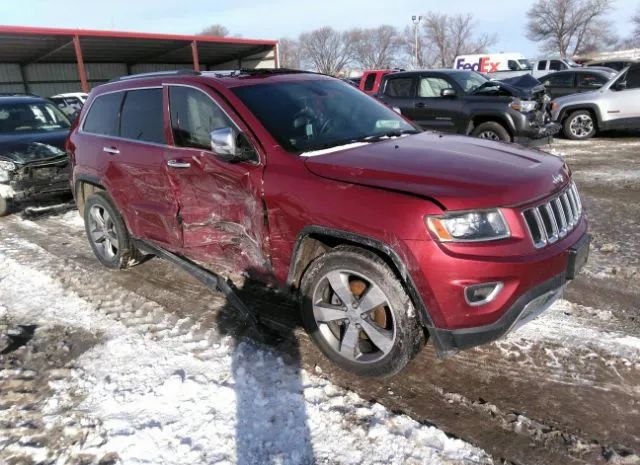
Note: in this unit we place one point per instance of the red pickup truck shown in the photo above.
(384, 234)
(371, 79)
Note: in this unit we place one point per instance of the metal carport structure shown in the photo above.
(48, 61)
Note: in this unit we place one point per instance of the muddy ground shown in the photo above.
(565, 389)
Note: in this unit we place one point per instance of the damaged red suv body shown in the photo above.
(386, 234)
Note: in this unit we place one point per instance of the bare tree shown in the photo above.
(452, 35)
(375, 48)
(569, 27)
(289, 51)
(636, 28)
(215, 30)
(328, 51)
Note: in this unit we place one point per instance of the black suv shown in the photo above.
(33, 162)
(466, 102)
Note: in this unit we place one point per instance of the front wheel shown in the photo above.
(108, 234)
(491, 131)
(579, 125)
(359, 315)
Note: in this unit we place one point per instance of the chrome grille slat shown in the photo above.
(555, 218)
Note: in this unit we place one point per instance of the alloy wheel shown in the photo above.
(354, 316)
(103, 232)
(581, 126)
(490, 135)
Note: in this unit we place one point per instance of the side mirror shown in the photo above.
(620, 85)
(224, 143)
(231, 146)
(448, 93)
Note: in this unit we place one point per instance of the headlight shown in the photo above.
(474, 226)
(524, 106)
(7, 165)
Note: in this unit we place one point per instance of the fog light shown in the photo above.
(480, 294)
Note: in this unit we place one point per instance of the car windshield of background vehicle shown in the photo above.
(525, 64)
(470, 82)
(313, 115)
(31, 117)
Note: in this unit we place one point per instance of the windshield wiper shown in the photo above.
(387, 135)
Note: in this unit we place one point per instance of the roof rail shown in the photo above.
(177, 72)
(254, 72)
(19, 94)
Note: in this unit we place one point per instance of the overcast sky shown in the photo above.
(273, 19)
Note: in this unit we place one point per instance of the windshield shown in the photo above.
(525, 64)
(317, 114)
(31, 117)
(470, 82)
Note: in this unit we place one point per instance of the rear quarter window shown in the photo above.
(103, 115)
(370, 81)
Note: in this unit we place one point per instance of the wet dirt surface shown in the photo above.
(565, 389)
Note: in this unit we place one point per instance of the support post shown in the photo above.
(80, 62)
(276, 58)
(194, 53)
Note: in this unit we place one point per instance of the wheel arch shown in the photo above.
(83, 188)
(591, 107)
(504, 120)
(313, 241)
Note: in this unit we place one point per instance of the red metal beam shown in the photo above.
(80, 62)
(128, 35)
(194, 53)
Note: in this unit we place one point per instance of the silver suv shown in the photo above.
(616, 105)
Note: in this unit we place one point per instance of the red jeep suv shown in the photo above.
(385, 234)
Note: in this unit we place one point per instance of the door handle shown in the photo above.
(111, 150)
(178, 164)
(420, 105)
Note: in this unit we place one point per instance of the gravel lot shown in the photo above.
(564, 389)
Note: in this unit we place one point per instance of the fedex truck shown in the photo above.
(495, 65)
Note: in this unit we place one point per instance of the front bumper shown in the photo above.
(530, 283)
(526, 308)
(35, 181)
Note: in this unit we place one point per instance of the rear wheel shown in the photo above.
(579, 125)
(107, 233)
(357, 312)
(6, 205)
(491, 131)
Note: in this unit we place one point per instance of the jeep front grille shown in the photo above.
(554, 219)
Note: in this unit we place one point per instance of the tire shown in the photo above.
(363, 277)
(115, 250)
(6, 206)
(491, 131)
(579, 125)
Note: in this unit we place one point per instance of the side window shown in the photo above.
(633, 78)
(591, 81)
(559, 80)
(370, 81)
(513, 65)
(193, 116)
(556, 65)
(542, 65)
(399, 87)
(103, 115)
(141, 117)
(432, 86)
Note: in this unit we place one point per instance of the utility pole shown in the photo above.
(416, 22)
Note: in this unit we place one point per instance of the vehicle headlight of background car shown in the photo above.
(6, 168)
(472, 226)
(524, 106)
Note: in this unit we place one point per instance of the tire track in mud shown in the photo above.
(455, 394)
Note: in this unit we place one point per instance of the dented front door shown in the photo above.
(221, 212)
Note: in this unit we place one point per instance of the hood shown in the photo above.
(524, 86)
(28, 148)
(587, 97)
(458, 172)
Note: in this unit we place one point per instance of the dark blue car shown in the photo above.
(33, 163)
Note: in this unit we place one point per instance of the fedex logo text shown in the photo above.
(483, 65)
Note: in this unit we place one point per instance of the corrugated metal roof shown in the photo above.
(31, 45)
